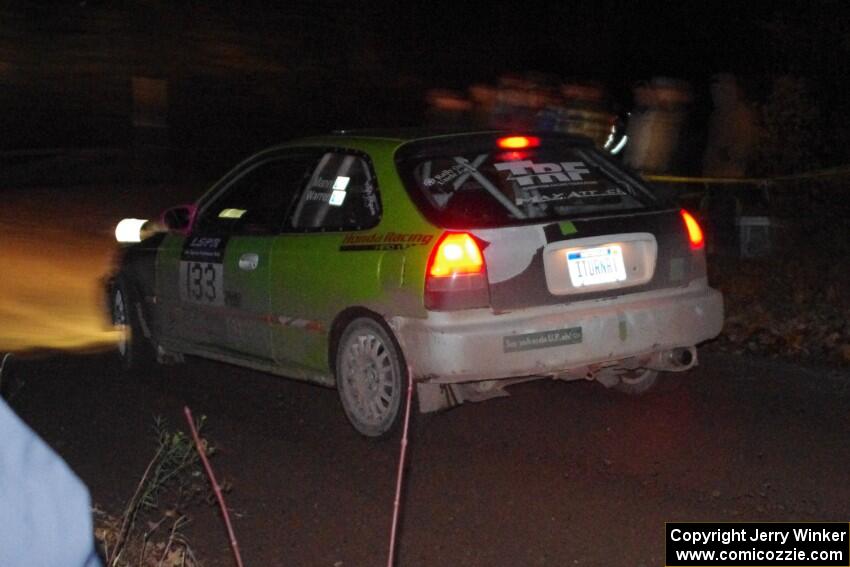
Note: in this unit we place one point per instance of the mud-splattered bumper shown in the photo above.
(481, 345)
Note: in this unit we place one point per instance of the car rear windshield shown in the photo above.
(468, 182)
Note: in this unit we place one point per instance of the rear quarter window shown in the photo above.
(342, 194)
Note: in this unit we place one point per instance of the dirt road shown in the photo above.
(557, 474)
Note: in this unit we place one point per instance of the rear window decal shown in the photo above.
(337, 198)
(554, 182)
(571, 195)
(450, 174)
(527, 173)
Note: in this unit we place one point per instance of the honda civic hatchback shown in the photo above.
(468, 261)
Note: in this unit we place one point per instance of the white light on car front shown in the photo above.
(129, 230)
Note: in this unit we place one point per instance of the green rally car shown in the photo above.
(473, 261)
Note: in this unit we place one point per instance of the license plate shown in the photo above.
(594, 266)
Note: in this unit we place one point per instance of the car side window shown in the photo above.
(258, 200)
(342, 194)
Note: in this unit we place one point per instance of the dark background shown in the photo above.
(242, 75)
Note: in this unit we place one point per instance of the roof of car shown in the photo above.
(405, 134)
(417, 133)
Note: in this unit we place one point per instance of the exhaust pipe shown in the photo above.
(674, 360)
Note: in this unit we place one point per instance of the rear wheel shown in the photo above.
(134, 351)
(370, 376)
(637, 382)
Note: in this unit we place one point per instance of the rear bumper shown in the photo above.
(477, 344)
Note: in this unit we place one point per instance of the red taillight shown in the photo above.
(694, 231)
(518, 142)
(456, 277)
(456, 253)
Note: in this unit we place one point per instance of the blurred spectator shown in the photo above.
(529, 102)
(447, 109)
(45, 512)
(655, 126)
(731, 130)
(731, 139)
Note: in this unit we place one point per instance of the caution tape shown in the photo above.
(761, 181)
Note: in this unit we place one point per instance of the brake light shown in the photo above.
(456, 277)
(518, 142)
(457, 253)
(695, 235)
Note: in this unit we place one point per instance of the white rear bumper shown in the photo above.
(478, 344)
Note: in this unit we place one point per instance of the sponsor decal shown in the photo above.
(383, 241)
(309, 325)
(446, 176)
(571, 195)
(204, 248)
(201, 272)
(543, 339)
(526, 173)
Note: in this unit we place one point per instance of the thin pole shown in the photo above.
(401, 458)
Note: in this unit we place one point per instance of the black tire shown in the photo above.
(134, 351)
(637, 382)
(371, 377)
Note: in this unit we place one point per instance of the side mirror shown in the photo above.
(179, 219)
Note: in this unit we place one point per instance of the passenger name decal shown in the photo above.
(383, 241)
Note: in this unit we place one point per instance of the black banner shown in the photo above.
(758, 544)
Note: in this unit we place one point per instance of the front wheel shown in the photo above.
(135, 353)
(370, 374)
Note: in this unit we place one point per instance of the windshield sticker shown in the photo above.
(231, 213)
(383, 241)
(340, 183)
(337, 197)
